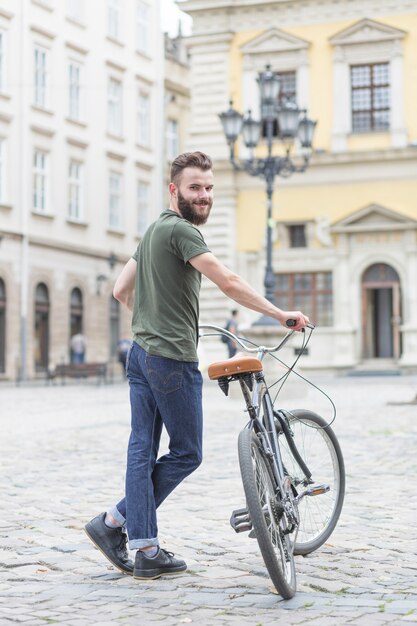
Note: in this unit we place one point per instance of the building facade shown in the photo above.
(81, 92)
(176, 102)
(345, 231)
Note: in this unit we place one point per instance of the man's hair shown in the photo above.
(189, 159)
(235, 312)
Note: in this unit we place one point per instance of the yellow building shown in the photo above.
(345, 247)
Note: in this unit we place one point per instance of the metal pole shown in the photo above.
(269, 175)
(269, 281)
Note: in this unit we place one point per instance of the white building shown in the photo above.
(81, 93)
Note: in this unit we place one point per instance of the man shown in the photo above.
(231, 326)
(161, 284)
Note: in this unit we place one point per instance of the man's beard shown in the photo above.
(190, 214)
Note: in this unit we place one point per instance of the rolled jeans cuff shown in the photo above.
(114, 512)
(137, 544)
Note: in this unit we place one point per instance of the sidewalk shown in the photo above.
(62, 456)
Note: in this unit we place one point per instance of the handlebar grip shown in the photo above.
(290, 323)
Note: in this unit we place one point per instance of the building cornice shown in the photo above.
(211, 16)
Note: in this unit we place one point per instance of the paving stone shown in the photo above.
(69, 441)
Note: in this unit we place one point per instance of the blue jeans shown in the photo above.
(163, 392)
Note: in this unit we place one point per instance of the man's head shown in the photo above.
(191, 187)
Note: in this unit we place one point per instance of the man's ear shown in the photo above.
(172, 189)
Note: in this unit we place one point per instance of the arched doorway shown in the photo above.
(41, 327)
(2, 327)
(381, 312)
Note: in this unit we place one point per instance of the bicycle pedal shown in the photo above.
(240, 521)
(317, 490)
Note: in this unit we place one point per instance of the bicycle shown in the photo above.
(291, 465)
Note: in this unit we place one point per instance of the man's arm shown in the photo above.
(124, 287)
(240, 291)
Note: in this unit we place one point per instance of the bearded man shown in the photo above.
(161, 285)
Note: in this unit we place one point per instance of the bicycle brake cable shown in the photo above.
(309, 382)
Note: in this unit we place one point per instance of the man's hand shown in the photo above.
(298, 317)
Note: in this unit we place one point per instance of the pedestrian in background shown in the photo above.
(161, 284)
(78, 346)
(123, 347)
(232, 326)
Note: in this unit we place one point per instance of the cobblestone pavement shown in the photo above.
(62, 461)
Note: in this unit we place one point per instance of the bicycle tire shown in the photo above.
(319, 448)
(259, 487)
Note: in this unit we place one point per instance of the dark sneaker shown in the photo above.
(111, 541)
(163, 563)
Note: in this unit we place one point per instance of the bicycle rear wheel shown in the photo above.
(265, 514)
(320, 450)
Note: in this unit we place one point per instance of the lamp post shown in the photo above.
(284, 123)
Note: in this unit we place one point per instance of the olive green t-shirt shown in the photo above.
(166, 309)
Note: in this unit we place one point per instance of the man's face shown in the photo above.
(194, 195)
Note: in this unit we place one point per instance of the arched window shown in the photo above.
(41, 327)
(76, 312)
(2, 326)
(114, 325)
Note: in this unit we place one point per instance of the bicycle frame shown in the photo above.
(254, 395)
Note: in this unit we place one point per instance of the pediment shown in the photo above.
(272, 41)
(366, 31)
(373, 218)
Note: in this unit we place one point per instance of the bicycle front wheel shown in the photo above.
(318, 446)
(266, 515)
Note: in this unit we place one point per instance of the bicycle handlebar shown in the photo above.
(239, 341)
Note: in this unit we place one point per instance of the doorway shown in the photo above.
(381, 312)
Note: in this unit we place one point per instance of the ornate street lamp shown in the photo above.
(283, 122)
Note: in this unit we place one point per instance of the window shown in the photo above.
(3, 171)
(142, 26)
(2, 61)
(287, 93)
(75, 190)
(2, 326)
(40, 95)
(288, 90)
(75, 9)
(370, 86)
(40, 182)
(41, 327)
(143, 198)
(297, 235)
(76, 312)
(115, 200)
(143, 117)
(113, 18)
(114, 106)
(74, 90)
(309, 292)
(172, 139)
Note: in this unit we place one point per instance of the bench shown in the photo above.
(79, 370)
